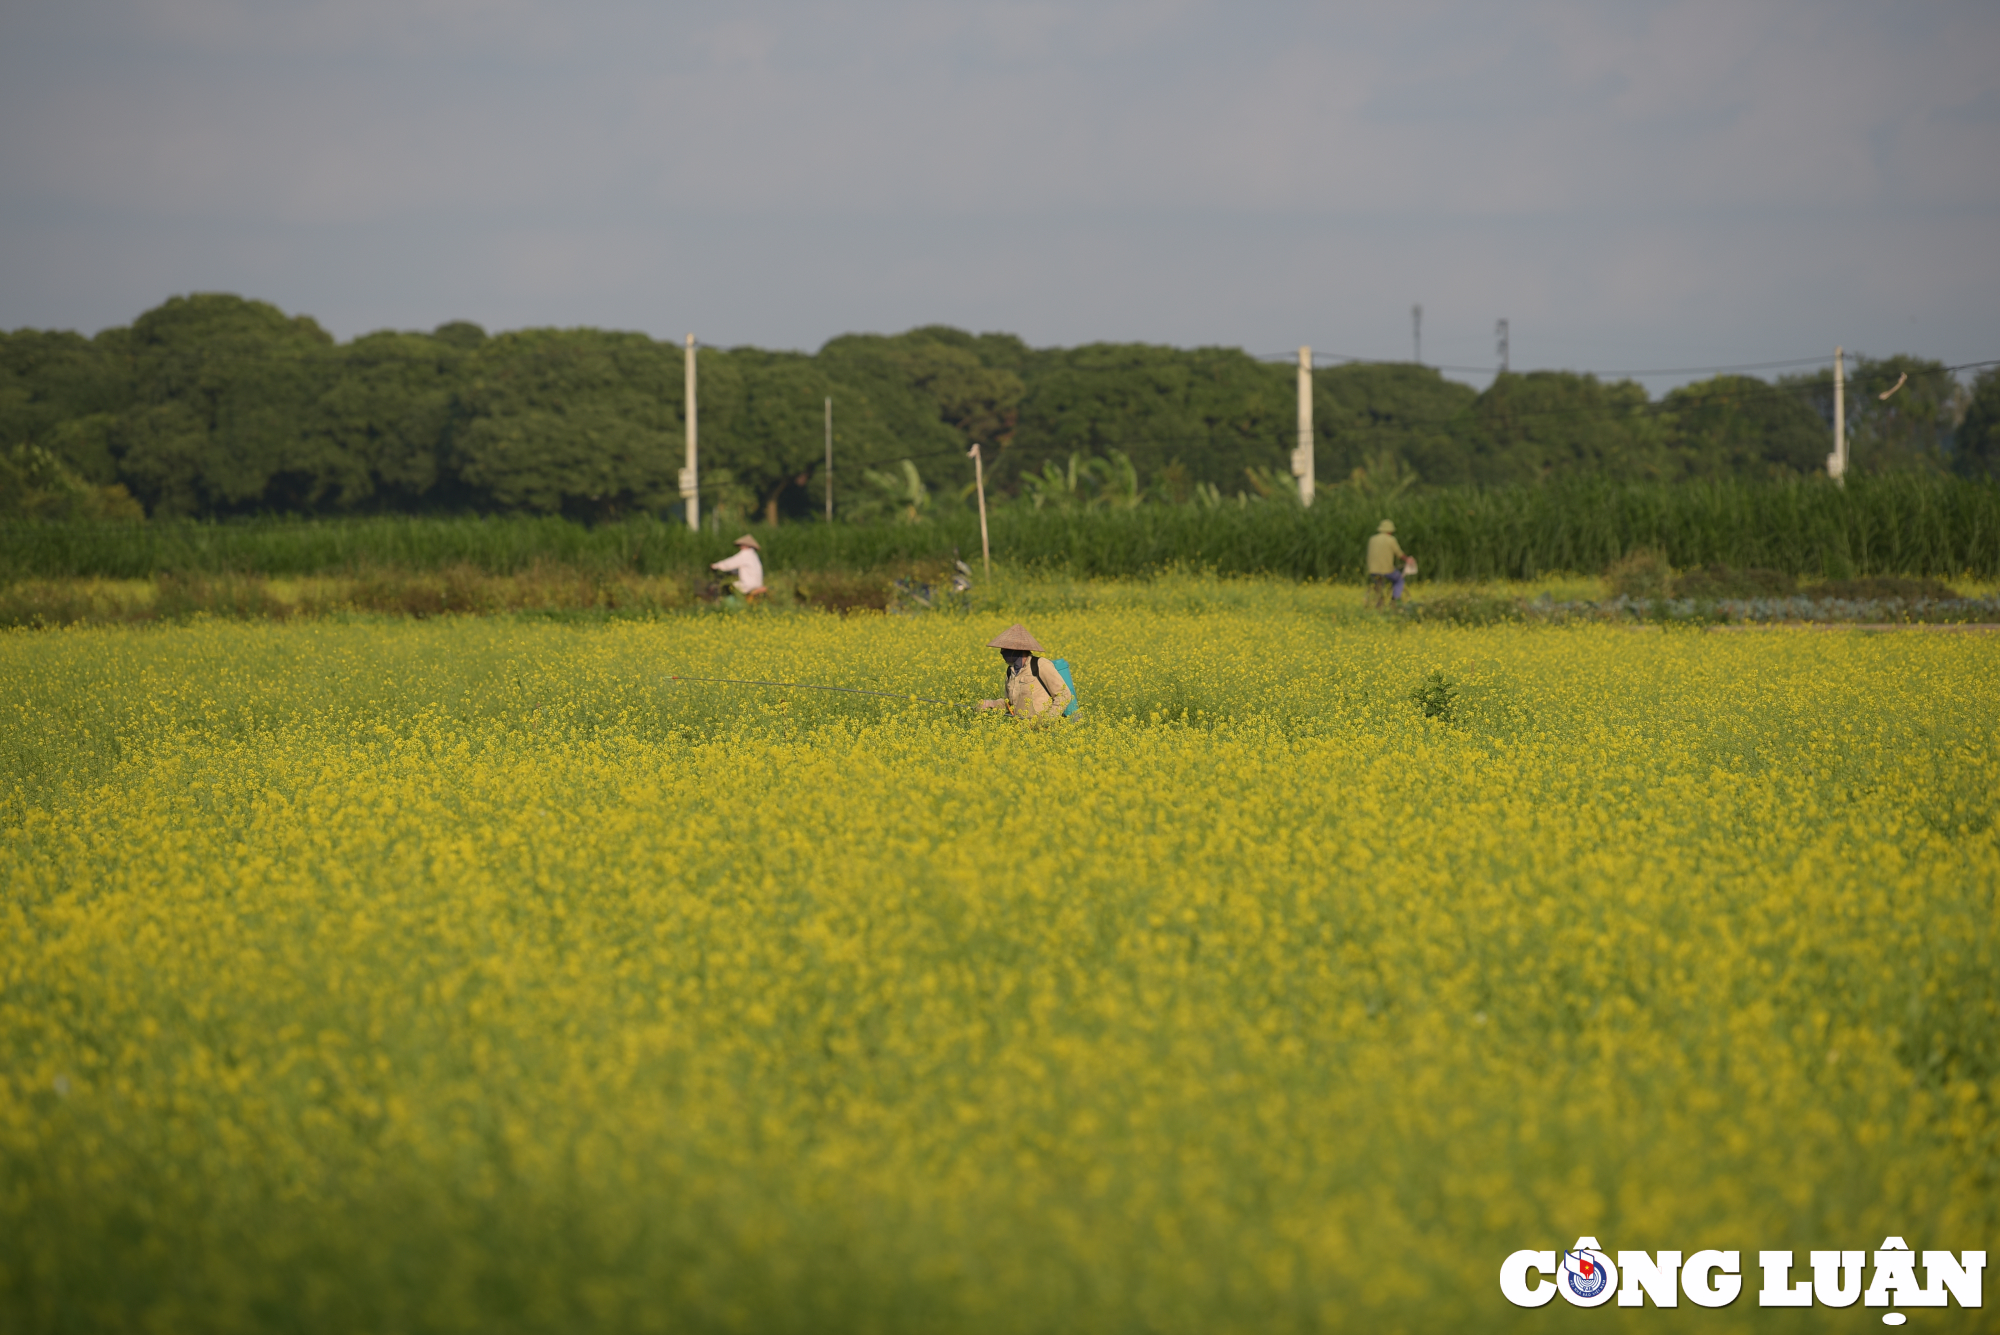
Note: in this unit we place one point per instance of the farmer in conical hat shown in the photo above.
(1383, 554)
(1034, 687)
(747, 565)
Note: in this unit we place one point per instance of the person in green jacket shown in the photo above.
(1383, 554)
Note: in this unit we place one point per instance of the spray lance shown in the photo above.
(808, 686)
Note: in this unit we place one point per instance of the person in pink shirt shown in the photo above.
(747, 565)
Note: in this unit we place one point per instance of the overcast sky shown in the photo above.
(1638, 185)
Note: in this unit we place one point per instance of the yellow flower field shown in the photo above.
(473, 975)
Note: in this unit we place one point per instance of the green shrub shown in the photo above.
(1436, 696)
(34, 484)
(1641, 574)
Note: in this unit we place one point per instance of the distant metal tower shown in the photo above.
(1500, 343)
(1417, 331)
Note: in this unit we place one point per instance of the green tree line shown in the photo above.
(213, 406)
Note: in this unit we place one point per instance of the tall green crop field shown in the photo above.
(1903, 524)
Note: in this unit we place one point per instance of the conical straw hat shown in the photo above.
(747, 541)
(1015, 637)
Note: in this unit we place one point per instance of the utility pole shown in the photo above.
(979, 479)
(1836, 463)
(1302, 455)
(829, 458)
(1500, 343)
(1417, 331)
(690, 477)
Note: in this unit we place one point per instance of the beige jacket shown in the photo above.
(1383, 553)
(1028, 697)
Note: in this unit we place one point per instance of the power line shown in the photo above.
(1663, 370)
(1718, 370)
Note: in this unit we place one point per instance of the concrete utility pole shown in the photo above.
(1417, 331)
(829, 459)
(1302, 456)
(1500, 343)
(979, 479)
(1836, 463)
(690, 475)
